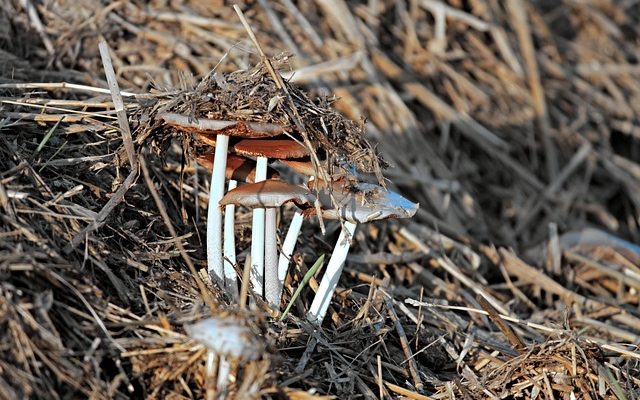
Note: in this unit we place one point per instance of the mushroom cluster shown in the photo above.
(239, 149)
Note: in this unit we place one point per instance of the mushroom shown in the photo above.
(269, 195)
(302, 166)
(356, 203)
(237, 169)
(222, 129)
(264, 253)
(228, 340)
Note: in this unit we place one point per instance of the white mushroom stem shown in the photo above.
(224, 368)
(271, 282)
(214, 215)
(209, 374)
(287, 250)
(257, 235)
(331, 276)
(229, 249)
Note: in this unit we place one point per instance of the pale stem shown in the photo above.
(287, 249)
(214, 214)
(331, 276)
(257, 236)
(209, 374)
(271, 282)
(224, 368)
(229, 250)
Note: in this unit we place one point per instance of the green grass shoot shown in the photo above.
(46, 137)
(307, 277)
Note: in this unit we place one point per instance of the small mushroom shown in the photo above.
(265, 258)
(302, 166)
(222, 129)
(269, 195)
(357, 203)
(228, 340)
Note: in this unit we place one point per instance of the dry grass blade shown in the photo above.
(123, 122)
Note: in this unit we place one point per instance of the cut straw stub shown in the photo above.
(204, 126)
(269, 194)
(238, 168)
(226, 338)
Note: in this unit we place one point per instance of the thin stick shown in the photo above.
(123, 122)
(406, 349)
(521, 26)
(61, 85)
(244, 288)
(101, 218)
(37, 24)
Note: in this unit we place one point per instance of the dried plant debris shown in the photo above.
(514, 125)
(558, 368)
(252, 96)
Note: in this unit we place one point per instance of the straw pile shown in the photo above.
(514, 125)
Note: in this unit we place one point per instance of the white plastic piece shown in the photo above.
(214, 214)
(257, 236)
(331, 276)
(288, 246)
(271, 282)
(229, 248)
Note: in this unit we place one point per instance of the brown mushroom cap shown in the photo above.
(206, 138)
(302, 166)
(268, 194)
(271, 148)
(361, 202)
(243, 129)
(238, 168)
